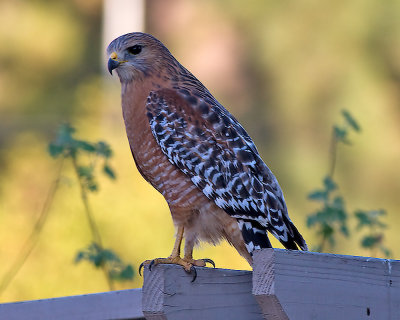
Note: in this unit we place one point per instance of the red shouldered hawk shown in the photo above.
(197, 155)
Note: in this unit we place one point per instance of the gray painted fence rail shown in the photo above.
(284, 285)
(113, 305)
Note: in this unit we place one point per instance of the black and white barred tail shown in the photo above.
(255, 236)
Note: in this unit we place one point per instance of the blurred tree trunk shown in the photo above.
(121, 16)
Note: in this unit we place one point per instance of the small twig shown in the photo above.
(31, 242)
(92, 224)
(333, 154)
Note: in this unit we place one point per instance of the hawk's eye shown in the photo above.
(136, 49)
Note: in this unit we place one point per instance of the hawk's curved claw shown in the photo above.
(193, 269)
(151, 263)
(209, 261)
(140, 268)
(188, 265)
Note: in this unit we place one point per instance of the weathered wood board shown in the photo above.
(168, 293)
(114, 305)
(304, 285)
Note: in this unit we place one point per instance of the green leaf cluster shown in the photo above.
(67, 146)
(370, 221)
(331, 219)
(101, 257)
(341, 132)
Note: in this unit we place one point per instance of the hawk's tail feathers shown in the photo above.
(254, 235)
(295, 239)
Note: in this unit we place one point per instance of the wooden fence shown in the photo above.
(113, 305)
(284, 285)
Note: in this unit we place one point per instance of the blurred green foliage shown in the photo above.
(373, 238)
(332, 219)
(98, 256)
(341, 132)
(67, 146)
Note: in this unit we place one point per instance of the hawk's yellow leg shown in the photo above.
(187, 262)
(174, 258)
(188, 256)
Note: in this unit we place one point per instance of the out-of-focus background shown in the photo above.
(284, 69)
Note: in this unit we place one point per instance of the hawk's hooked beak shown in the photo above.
(113, 62)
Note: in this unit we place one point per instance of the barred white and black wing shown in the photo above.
(207, 144)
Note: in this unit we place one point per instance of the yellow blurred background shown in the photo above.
(284, 69)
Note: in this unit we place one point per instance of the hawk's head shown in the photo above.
(137, 55)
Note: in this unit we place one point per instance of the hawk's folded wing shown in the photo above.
(207, 144)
